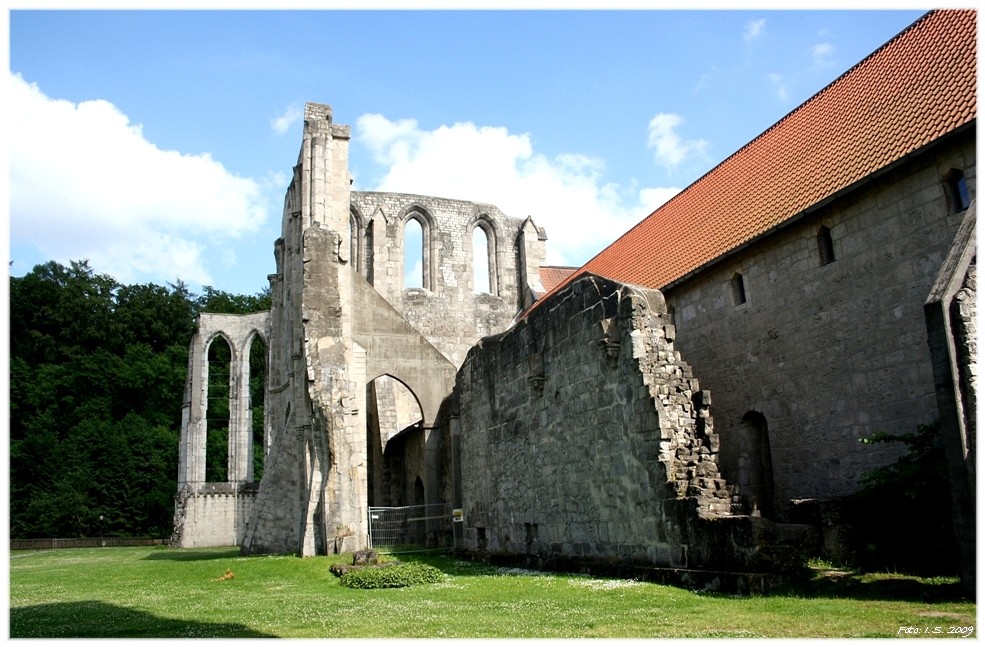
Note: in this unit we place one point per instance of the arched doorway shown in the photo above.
(393, 414)
(755, 465)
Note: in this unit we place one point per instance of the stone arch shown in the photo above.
(257, 421)
(355, 236)
(755, 464)
(490, 230)
(428, 227)
(220, 371)
(394, 440)
(237, 333)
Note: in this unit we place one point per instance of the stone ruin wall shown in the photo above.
(216, 514)
(301, 498)
(447, 310)
(338, 253)
(585, 435)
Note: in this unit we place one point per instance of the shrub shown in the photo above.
(903, 513)
(391, 576)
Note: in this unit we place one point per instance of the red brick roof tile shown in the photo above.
(917, 87)
(551, 276)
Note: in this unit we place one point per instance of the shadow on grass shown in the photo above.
(823, 584)
(101, 620)
(445, 562)
(857, 586)
(192, 554)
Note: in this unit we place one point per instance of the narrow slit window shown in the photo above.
(353, 241)
(958, 188)
(825, 246)
(738, 289)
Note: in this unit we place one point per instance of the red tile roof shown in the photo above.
(551, 276)
(914, 89)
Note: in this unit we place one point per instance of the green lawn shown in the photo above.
(164, 592)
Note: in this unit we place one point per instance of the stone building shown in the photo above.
(561, 410)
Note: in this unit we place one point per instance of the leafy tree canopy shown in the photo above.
(97, 374)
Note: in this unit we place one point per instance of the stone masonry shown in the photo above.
(594, 378)
(347, 338)
(827, 353)
(215, 514)
(576, 431)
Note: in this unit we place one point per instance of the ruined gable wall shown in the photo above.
(584, 434)
(314, 477)
(446, 310)
(829, 354)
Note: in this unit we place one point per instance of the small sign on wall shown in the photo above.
(457, 515)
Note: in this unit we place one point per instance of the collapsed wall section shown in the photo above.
(585, 436)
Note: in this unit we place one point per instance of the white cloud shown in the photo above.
(780, 86)
(753, 30)
(669, 148)
(292, 115)
(821, 53)
(565, 194)
(85, 183)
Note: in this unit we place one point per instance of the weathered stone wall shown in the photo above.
(585, 435)
(201, 517)
(341, 318)
(447, 310)
(212, 514)
(828, 354)
(314, 478)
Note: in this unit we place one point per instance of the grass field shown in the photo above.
(169, 593)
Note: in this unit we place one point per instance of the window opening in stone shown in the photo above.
(413, 254)
(354, 239)
(217, 411)
(393, 431)
(958, 188)
(366, 257)
(825, 246)
(738, 289)
(257, 404)
(480, 261)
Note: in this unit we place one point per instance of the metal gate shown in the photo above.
(411, 528)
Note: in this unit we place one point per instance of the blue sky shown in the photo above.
(158, 144)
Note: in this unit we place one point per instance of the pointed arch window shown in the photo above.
(353, 235)
(256, 408)
(217, 411)
(484, 268)
(481, 270)
(414, 254)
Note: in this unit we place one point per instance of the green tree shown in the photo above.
(97, 375)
